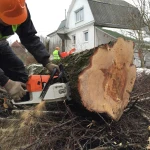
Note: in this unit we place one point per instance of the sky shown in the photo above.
(47, 14)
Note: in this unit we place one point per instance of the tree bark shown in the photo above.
(101, 79)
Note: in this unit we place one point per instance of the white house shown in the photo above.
(83, 27)
(90, 23)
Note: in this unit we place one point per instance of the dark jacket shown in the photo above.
(26, 32)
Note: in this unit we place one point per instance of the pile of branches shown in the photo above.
(74, 132)
(142, 86)
(69, 128)
(71, 131)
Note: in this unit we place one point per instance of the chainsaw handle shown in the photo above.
(50, 81)
(54, 72)
(61, 76)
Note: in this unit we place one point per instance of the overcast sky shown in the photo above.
(47, 14)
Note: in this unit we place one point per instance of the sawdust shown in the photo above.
(15, 133)
(30, 117)
(39, 108)
(11, 135)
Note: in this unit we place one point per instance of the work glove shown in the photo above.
(15, 89)
(50, 66)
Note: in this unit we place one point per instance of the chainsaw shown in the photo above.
(48, 88)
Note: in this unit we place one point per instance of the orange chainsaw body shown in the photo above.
(36, 82)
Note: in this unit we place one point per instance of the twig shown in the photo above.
(138, 95)
(2, 90)
(81, 148)
(93, 136)
(52, 128)
(143, 113)
(139, 108)
(60, 125)
(146, 117)
(43, 112)
(104, 120)
(118, 146)
(7, 119)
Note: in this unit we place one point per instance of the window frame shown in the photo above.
(84, 34)
(73, 39)
(79, 18)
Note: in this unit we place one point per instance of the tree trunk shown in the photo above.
(101, 79)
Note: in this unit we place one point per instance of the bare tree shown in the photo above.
(45, 40)
(141, 29)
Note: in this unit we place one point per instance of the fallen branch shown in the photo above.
(143, 113)
(137, 96)
(43, 112)
(118, 147)
(7, 119)
(146, 117)
(3, 90)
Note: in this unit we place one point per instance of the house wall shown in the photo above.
(96, 38)
(102, 37)
(80, 41)
(71, 19)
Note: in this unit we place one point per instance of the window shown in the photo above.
(79, 15)
(74, 39)
(86, 36)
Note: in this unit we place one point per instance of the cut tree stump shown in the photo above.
(101, 79)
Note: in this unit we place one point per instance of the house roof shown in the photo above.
(115, 2)
(62, 24)
(126, 34)
(17, 44)
(52, 33)
(115, 13)
(116, 33)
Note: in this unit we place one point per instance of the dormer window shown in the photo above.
(79, 15)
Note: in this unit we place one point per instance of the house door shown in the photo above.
(63, 45)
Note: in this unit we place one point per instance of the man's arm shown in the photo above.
(26, 32)
(3, 79)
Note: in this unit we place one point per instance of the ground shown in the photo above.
(67, 127)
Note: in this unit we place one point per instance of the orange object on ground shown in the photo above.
(65, 54)
(72, 51)
(13, 12)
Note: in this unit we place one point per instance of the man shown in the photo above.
(15, 17)
(56, 54)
